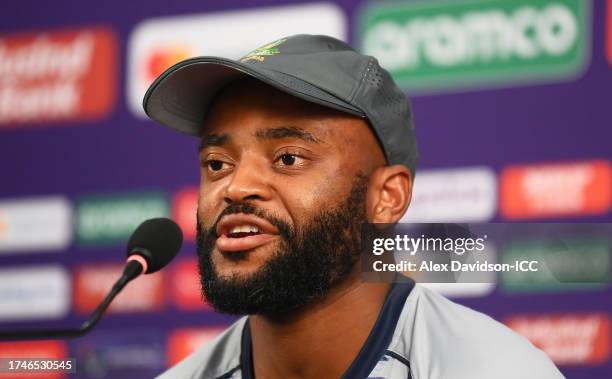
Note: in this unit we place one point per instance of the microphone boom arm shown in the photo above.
(132, 270)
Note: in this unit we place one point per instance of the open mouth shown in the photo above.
(242, 232)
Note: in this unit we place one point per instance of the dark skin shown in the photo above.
(292, 158)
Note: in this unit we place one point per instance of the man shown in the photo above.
(303, 141)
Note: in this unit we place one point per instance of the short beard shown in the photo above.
(307, 264)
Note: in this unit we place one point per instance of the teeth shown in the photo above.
(244, 229)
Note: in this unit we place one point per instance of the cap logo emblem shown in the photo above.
(260, 53)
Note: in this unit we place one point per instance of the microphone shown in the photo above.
(150, 248)
(154, 244)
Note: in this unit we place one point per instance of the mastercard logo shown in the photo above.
(162, 58)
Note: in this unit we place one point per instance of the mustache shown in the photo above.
(285, 230)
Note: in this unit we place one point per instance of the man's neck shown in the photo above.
(323, 339)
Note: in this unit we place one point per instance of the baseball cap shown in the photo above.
(315, 68)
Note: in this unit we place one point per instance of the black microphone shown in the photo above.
(151, 247)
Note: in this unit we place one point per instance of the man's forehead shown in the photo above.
(252, 109)
(303, 133)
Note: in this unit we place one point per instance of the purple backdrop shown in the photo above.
(119, 152)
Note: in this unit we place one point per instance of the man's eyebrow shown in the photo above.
(286, 132)
(214, 140)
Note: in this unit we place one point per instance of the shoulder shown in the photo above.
(214, 359)
(444, 339)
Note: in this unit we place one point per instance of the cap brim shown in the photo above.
(179, 97)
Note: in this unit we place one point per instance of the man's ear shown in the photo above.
(389, 194)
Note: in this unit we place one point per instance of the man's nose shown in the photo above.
(249, 182)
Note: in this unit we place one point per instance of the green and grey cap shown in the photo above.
(315, 68)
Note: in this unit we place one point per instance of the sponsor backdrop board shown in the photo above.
(512, 114)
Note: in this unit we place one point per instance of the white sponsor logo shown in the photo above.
(158, 43)
(35, 224)
(455, 195)
(34, 293)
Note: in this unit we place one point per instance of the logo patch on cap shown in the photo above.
(260, 53)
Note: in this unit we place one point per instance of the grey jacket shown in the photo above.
(419, 335)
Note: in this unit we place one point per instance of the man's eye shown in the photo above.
(288, 159)
(215, 165)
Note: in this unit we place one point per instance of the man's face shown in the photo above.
(282, 197)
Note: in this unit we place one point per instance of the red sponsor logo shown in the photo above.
(572, 339)
(184, 208)
(92, 284)
(59, 75)
(183, 342)
(34, 349)
(186, 289)
(565, 189)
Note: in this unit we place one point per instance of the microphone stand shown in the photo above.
(130, 272)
